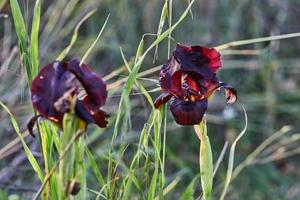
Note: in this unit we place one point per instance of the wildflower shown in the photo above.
(55, 91)
(189, 79)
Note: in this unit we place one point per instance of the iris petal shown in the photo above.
(55, 88)
(89, 109)
(92, 83)
(230, 92)
(188, 112)
(52, 83)
(162, 99)
(170, 77)
(193, 61)
(213, 56)
(90, 115)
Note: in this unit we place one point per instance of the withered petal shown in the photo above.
(230, 92)
(52, 83)
(188, 112)
(92, 83)
(162, 99)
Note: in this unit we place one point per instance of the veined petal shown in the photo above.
(188, 112)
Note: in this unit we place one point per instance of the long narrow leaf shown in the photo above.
(29, 154)
(65, 52)
(231, 157)
(34, 39)
(95, 42)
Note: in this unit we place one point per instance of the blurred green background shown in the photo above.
(266, 76)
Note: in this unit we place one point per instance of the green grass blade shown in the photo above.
(95, 42)
(95, 167)
(256, 40)
(160, 26)
(65, 52)
(19, 24)
(132, 76)
(34, 39)
(188, 193)
(29, 154)
(231, 157)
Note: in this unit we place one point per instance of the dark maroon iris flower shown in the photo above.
(188, 79)
(56, 88)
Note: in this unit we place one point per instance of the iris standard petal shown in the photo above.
(93, 84)
(188, 112)
(213, 56)
(193, 61)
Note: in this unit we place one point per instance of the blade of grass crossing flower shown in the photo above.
(95, 42)
(131, 79)
(34, 38)
(162, 20)
(65, 52)
(231, 157)
(132, 76)
(205, 159)
(28, 153)
(170, 13)
(139, 85)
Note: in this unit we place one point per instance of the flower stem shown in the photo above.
(205, 159)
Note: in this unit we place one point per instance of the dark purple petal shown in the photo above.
(31, 124)
(50, 90)
(162, 99)
(188, 112)
(193, 61)
(170, 77)
(213, 56)
(92, 83)
(91, 115)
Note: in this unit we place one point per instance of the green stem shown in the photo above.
(205, 159)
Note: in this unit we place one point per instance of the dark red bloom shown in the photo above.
(188, 79)
(54, 92)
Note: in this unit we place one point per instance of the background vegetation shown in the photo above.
(266, 76)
